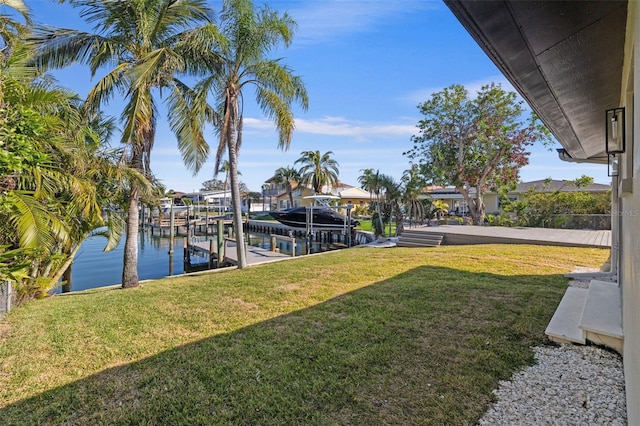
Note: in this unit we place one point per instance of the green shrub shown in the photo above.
(499, 220)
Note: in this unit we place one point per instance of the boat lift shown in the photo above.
(323, 201)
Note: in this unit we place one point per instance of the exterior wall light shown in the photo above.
(615, 131)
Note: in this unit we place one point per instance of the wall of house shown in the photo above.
(491, 204)
(629, 277)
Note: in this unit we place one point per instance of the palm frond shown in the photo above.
(186, 119)
(33, 222)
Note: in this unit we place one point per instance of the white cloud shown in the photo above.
(338, 126)
(423, 94)
(325, 21)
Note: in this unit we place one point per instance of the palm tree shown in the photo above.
(146, 45)
(57, 178)
(285, 176)
(246, 36)
(372, 181)
(318, 169)
(391, 207)
(413, 185)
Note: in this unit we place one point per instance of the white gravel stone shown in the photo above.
(569, 385)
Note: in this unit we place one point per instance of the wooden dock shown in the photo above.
(182, 227)
(255, 255)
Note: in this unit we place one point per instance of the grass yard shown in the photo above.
(361, 336)
(367, 225)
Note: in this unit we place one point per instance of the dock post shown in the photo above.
(211, 253)
(273, 243)
(172, 220)
(185, 256)
(220, 240)
(206, 221)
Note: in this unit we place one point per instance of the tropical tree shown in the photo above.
(318, 169)
(145, 46)
(247, 35)
(392, 203)
(439, 208)
(372, 181)
(213, 185)
(412, 199)
(55, 175)
(474, 143)
(285, 176)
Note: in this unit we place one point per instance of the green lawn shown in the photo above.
(367, 225)
(361, 336)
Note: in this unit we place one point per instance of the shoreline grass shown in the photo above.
(360, 336)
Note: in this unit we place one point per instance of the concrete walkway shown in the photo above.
(464, 234)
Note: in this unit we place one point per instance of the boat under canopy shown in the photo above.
(321, 217)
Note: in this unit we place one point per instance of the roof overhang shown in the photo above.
(564, 57)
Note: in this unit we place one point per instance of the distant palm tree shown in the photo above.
(372, 181)
(246, 36)
(146, 44)
(318, 169)
(285, 176)
(413, 186)
(392, 208)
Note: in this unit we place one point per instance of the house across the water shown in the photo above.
(493, 201)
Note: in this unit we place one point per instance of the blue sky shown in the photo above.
(367, 64)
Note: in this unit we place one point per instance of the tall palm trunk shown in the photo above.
(67, 284)
(236, 202)
(290, 191)
(130, 267)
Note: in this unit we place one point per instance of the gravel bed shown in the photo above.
(569, 385)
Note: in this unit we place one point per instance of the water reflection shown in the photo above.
(94, 268)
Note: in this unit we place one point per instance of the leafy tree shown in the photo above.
(286, 176)
(56, 176)
(318, 169)
(240, 60)
(213, 185)
(474, 143)
(145, 45)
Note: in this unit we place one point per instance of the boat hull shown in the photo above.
(322, 218)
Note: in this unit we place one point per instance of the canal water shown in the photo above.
(94, 268)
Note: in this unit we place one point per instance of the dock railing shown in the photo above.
(275, 237)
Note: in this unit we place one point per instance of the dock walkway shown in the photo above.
(255, 255)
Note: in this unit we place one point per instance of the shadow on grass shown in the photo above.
(426, 347)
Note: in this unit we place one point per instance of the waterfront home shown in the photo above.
(347, 194)
(493, 201)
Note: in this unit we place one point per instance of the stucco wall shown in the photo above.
(629, 277)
